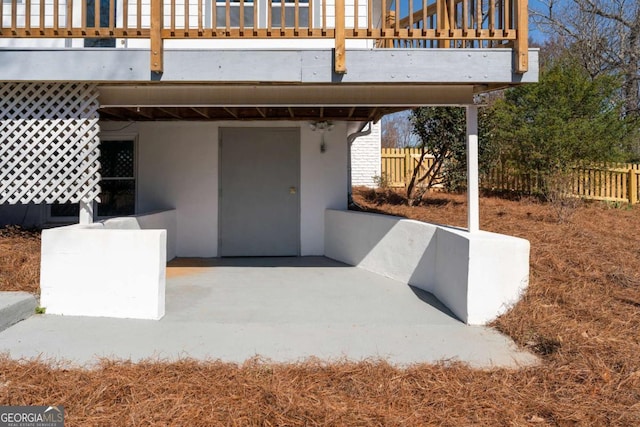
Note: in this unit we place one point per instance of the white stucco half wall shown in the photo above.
(161, 220)
(114, 268)
(478, 276)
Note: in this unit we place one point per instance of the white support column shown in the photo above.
(473, 200)
(86, 213)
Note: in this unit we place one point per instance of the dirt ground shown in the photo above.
(581, 314)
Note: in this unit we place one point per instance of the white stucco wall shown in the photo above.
(478, 276)
(113, 268)
(323, 183)
(365, 158)
(177, 167)
(161, 220)
(91, 270)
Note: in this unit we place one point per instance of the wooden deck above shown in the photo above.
(392, 24)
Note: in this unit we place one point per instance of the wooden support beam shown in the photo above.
(200, 112)
(291, 112)
(522, 42)
(262, 112)
(169, 113)
(112, 114)
(157, 48)
(232, 112)
(351, 111)
(340, 60)
(140, 111)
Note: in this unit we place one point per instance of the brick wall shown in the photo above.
(365, 158)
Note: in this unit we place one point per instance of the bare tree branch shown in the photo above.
(603, 35)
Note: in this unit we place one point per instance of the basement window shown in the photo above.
(118, 184)
(64, 212)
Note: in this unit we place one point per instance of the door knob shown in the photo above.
(293, 190)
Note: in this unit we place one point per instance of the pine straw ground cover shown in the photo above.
(19, 260)
(581, 314)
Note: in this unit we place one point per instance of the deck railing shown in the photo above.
(388, 23)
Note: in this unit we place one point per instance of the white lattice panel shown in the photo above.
(49, 144)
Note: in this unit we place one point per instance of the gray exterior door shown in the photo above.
(259, 206)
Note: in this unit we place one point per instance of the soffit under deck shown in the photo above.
(272, 102)
(142, 114)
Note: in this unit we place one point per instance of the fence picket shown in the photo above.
(597, 181)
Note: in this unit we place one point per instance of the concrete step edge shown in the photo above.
(15, 307)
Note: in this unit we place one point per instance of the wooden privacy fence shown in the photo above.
(599, 181)
(405, 23)
(398, 165)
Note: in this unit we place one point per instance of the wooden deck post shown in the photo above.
(391, 23)
(632, 186)
(157, 54)
(340, 63)
(473, 197)
(522, 42)
(442, 23)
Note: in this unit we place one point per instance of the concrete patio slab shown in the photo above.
(15, 307)
(282, 309)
